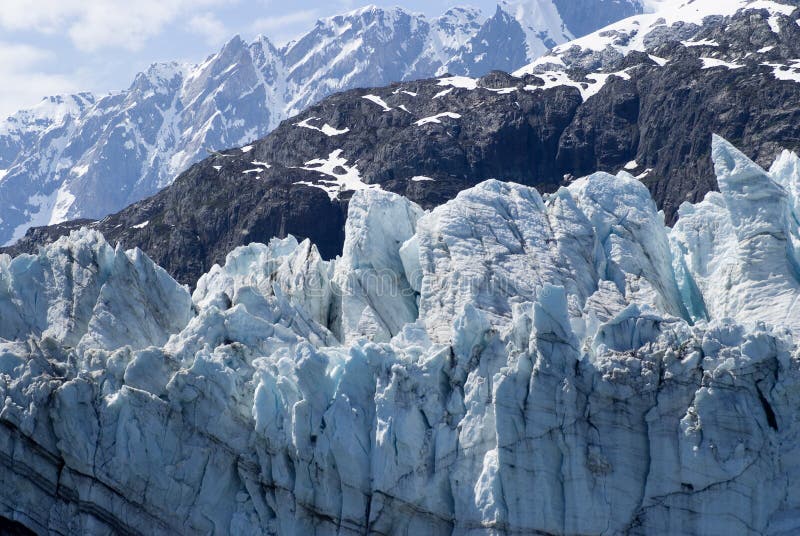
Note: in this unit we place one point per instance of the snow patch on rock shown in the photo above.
(344, 178)
(325, 129)
(710, 63)
(436, 118)
(379, 101)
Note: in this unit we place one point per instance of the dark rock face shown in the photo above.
(660, 116)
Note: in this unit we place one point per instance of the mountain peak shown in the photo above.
(167, 70)
(234, 44)
(370, 10)
(662, 22)
(463, 14)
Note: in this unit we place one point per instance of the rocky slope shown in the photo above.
(84, 156)
(647, 104)
(506, 363)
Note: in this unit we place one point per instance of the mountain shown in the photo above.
(507, 363)
(82, 156)
(650, 112)
(727, 67)
(23, 128)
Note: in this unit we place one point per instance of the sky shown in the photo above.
(64, 46)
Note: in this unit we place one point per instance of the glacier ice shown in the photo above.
(82, 292)
(752, 218)
(507, 363)
(376, 298)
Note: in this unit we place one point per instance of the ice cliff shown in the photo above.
(504, 364)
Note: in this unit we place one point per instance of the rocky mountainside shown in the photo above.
(84, 156)
(646, 102)
(720, 67)
(639, 379)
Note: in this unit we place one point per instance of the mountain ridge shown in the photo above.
(648, 113)
(119, 148)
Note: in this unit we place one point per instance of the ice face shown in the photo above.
(559, 365)
(376, 297)
(82, 292)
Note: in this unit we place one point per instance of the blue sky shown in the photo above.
(60, 46)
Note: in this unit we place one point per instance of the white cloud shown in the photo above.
(14, 56)
(279, 26)
(95, 24)
(209, 27)
(43, 16)
(23, 84)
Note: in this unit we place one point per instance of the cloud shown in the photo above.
(14, 56)
(96, 24)
(209, 27)
(22, 81)
(284, 26)
(42, 16)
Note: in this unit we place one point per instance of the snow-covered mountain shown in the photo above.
(507, 363)
(647, 32)
(697, 66)
(24, 128)
(84, 156)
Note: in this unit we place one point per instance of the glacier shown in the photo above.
(506, 363)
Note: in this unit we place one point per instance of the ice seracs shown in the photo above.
(377, 299)
(737, 247)
(83, 293)
(639, 379)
